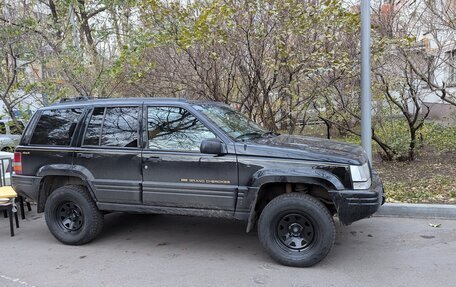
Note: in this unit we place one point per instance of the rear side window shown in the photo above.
(92, 135)
(56, 127)
(118, 127)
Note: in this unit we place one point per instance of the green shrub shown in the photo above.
(395, 133)
(438, 137)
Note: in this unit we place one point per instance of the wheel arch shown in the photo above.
(57, 175)
(316, 182)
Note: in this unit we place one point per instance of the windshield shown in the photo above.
(232, 122)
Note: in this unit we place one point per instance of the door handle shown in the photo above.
(84, 155)
(152, 159)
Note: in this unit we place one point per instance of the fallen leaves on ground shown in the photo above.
(429, 179)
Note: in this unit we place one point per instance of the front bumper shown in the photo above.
(353, 205)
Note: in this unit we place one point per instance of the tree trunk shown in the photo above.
(412, 146)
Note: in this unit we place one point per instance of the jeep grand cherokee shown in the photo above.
(81, 158)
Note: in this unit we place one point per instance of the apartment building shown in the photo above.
(433, 25)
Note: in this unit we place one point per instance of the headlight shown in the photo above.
(360, 175)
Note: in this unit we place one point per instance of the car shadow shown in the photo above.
(148, 231)
(172, 233)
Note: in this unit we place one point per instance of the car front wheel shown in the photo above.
(72, 216)
(296, 230)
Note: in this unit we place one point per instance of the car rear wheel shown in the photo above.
(296, 230)
(72, 216)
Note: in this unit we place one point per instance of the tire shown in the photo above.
(296, 230)
(72, 216)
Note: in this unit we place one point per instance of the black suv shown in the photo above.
(81, 158)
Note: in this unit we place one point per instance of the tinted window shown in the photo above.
(120, 127)
(172, 128)
(55, 127)
(93, 131)
(235, 124)
(13, 128)
(2, 128)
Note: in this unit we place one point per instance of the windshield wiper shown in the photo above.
(269, 133)
(256, 135)
(248, 135)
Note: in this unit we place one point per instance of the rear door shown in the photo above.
(175, 173)
(110, 155)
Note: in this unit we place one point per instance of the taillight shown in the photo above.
(17, 163)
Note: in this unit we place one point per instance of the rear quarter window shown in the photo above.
(56, 127)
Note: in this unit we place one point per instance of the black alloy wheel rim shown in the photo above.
(295, 231)
(69, 216)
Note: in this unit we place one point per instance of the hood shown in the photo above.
(305, 148)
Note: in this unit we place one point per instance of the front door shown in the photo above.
(175, 173)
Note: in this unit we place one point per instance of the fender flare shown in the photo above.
(68, 170)
(313, 176)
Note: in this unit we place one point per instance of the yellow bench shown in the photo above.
(7, 195)
(7, 192)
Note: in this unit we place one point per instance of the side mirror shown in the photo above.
(212, 146)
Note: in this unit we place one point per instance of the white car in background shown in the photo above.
(9, 134)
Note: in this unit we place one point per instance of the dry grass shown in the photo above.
(429, 179)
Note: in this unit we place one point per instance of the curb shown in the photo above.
(442, 211)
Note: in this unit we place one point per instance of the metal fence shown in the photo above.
(6, 170)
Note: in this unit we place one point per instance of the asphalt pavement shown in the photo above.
(158, 250)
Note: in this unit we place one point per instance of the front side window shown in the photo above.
(56, 127)
(113, 126)
(174, 128)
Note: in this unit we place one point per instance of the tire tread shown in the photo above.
(96, 216)
(276, 204)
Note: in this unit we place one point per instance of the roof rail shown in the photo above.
(75, 99)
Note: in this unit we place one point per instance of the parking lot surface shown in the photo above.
(158, 250)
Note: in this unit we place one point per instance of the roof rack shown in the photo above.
(75, 99)
(83, 98)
